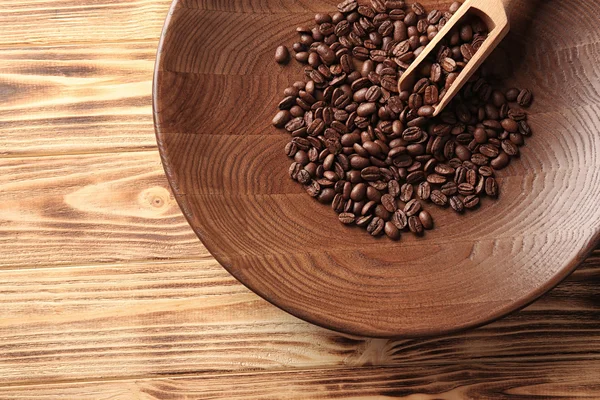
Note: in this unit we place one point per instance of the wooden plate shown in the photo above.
(215, 92)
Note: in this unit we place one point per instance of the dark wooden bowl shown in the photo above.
(215, 92)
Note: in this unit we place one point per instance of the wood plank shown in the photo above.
(494, 381)
(89, 209)
(135, 320)
(42, 22)
(76, 98)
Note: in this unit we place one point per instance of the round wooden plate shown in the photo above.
(216, 89)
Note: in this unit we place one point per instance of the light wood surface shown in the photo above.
(106, 293)
(229, 174)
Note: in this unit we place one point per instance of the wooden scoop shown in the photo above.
(494, 14)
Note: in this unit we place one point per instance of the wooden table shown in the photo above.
(105, 292)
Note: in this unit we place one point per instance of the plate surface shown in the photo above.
(216, 89)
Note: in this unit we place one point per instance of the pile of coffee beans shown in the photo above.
(374, 153)
(444, 64)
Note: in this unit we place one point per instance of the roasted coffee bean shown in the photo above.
(282, 55)
(524, 98)
(436, 179)
(438, 198)
(479, 159)
(347, 218)
(282, 118)
(406, 192)
(512, 94)
(491, 187)
(304, 177)
(415, 225)
(392, 231)
(471, 178)
(466, 189)
(399, 219)
(485, 171)
(426, 220)
(359, 192)
(313, 188)
(424, 190)
(449, 189)
(347, 6)
(394, 188)
(457, 204)
(500, 162)
(471, 201)
(412, 207)
(363, 221)
(524, 128)
(376, 226)
(370, 173)
(489, 150)
(415, 177)
(510, 148)
(368, 208)
(389, 202)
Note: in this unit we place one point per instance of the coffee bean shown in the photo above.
(436, 179)
(282, 55)
(370, 173)
(313, 188)
(448, 64)
(347, 218)
(392, 231)
(471, 201)
(500, 162)
(524, 128)
(512, 94)
(304, 176)
(281, 118)
(363, 221)
(373, 194)
(424, 190)
(415, 225)
(524, 98)
(480, 186)
(412, 207)
(399, 219)
(438, 198)
(456, 204)
(491, 187)
(489, 150)
(426, 220)
(347, 6)
(406, 192)
(471, 177)
(359, 192)
(449, 188)
(466, 189)
(394, 188)
(462, 152)
(510, 148)
(376, 226)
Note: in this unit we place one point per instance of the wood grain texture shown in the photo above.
(493, 381)
(139, 320)
(89, 209)
(43, 22)
(76, 98)
(230, 176)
